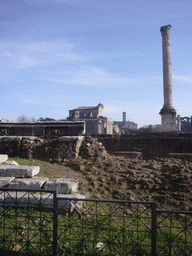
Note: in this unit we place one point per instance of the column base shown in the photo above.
(168, 120)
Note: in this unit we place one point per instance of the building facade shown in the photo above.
(122, 126)
(95, 122)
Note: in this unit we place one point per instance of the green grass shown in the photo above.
(31, 230)
(22, 161)
(47, 169)
(79, 234)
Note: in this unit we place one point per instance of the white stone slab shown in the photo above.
(25, 199)
(11, 138)
(70, 138)
(3, 158)
(63, 185)
(28, 183)
(73, 203)
(5, 180)
(11, 163)
(18, 171)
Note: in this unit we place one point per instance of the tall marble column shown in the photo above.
(168, 112)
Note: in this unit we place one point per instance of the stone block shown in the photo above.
(3, 158)
(11, 163)
(63, 185)
(25, 199)
(18, 171)
(129, 154)
(11, 138)
(70, 138)
(5, 180)
(30, 183)
(65, 203)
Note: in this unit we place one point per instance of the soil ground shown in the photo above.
(166, 181)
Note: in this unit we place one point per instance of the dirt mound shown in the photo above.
(166, 181)
(91, 148)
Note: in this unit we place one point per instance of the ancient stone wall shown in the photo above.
(35, 148)
(53, 129)
(55, 150)
(68, 147)
(151, 145)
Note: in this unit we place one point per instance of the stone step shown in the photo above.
(28, 183)
(63, 185)
(18, 171)
(129, 154)
(5, 180)
(3, 158)
(27, 199)
(11, 163)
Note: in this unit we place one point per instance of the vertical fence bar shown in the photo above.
(185, 234)
(170, 242)
(55, 226)
(153, 229)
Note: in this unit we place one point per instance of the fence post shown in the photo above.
(153, 229)
(55, 227)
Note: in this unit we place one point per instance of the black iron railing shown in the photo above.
(28, 222)
(38, 222)
(107, 227)
(174, 232)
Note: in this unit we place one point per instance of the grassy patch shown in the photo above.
(121, 230)
(49, 170)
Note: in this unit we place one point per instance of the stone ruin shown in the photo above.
(15, 176)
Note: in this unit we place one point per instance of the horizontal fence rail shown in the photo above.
(39, 222)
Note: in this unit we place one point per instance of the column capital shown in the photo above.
(165, 30)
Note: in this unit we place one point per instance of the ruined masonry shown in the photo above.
(15, 176)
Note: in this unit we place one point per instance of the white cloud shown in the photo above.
(29, 100)
(21, 55)
(94, 76)
(25, 61)
(49, 47)
(185, 79)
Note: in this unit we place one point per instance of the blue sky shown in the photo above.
(57, 55)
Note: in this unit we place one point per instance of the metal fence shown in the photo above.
(38, 222)
(174, 232)
(107, 227)
(28, 222)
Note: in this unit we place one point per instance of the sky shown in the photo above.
(57, 55)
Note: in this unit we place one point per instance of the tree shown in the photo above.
(130, 131)
(146, 129)
(24, 118)
(49, 119)
(41, 119)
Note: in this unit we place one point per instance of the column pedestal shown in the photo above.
(168, 120)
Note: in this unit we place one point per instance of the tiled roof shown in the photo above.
(83, 108)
